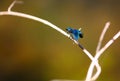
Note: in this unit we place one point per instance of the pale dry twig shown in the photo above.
(93, 59)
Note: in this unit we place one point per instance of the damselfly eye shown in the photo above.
(69, 29)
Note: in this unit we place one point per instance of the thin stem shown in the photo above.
(94, 59)
(12, 4)
(102, 36)
(90, 71)
(39, 20)
(107, 45)
(9, 12)
(36, 19)
(100, 53)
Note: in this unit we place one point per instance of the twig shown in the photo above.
(94, 59)
(107, 45)
(13, 13)
(99, 53)
(90, 71)
(9, 12)
(103, 49)
(13, 3)
(102, 36)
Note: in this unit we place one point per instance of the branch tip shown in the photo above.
(13, 3)
(108, 23)
(102, 36)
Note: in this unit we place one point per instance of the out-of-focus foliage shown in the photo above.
(32, 51)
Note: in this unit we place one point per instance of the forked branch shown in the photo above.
(93, 59)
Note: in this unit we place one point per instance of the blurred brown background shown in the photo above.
(32, 51)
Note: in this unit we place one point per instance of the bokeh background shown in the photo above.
(32, 51)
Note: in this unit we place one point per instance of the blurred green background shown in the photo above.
(32, 51)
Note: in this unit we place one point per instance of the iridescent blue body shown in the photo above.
(75, 33)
